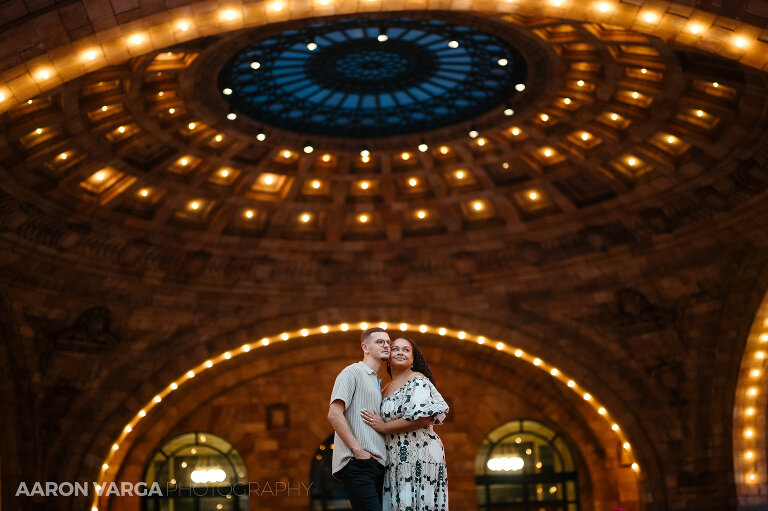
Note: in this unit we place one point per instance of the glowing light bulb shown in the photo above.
(694, 28)
(308, 148)
(224, 172)
(121, 129)
(136, 39)
(63, 156)
(567, 101)
(481, 141)
(268, 180)
(287, 154)
(473, 133)
(423, 147)
(183, 26)
(315, 184)
(515, 131)
(100, 176)
(312, 46)
(699, 113)
(90, 55)
(635, 95)
(382, 37)
(508, 112)
(459, 174)
(614, 117)
(631, 161)
(249, 213)
(443, 150)
(362, 219)
(261, 136)
(405, 156)
(547, 152)
(171, 111)
(502, 62)
(183, 161)
(40, 130)
(604, 7)
(644, 71)
(580, 83)
(364, 185)
(194, 205)
(533, 195)
(477, 205)
(670, 139)
(453, 44)
(191, 125)
(544, 117)
(520, 87)
(413, 181)
(715, 85)
(218, 138)
(227, 91)
(585, 136)
(421, 214)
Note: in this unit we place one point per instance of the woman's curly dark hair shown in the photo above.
(419, 363)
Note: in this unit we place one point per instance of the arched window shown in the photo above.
(196, 472)
(525, 465)
(327, 492)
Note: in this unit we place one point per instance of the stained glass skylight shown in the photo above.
(371, 77)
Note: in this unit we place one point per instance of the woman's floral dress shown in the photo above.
(416, 477)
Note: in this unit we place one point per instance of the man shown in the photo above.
(359, 452)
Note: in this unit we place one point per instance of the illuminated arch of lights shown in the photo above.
(741, 41)
(751, 400)
(108, 471)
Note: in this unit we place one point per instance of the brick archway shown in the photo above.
(485, 390)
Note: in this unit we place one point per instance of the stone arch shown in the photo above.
(301, 347)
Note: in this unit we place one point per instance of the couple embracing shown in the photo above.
(385, 450)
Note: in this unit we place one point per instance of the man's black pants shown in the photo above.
(364, 482)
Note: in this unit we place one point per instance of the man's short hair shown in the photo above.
(365, 336)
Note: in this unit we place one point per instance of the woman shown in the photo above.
(416, 478)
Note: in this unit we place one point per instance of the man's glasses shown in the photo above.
(381, 342)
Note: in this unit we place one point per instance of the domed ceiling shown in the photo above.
(389, 129)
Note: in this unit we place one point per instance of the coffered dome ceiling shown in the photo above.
(322, 135)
